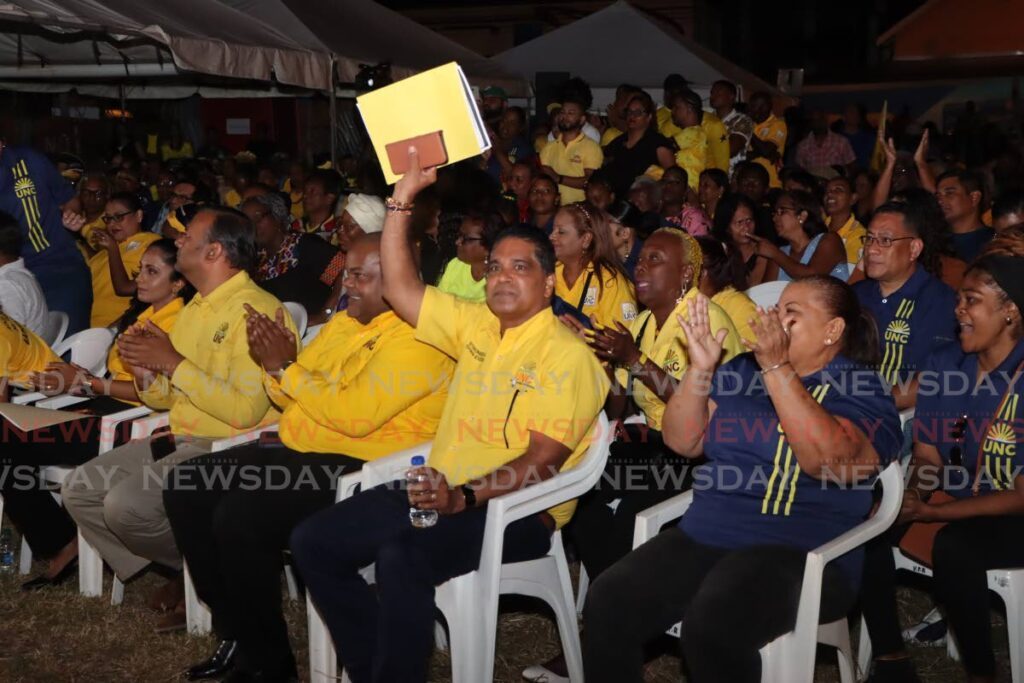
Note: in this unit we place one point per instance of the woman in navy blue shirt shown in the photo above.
(966, 433)
(787, 430)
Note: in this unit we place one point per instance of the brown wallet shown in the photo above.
(430, 147)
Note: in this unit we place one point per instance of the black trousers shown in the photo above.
(964, 550)
(731, 602)
(23, 454)
(232, 513)
(641, 472)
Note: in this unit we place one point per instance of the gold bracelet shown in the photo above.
(774, 367)
(395, 206)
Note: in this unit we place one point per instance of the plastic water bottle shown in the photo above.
(6, 552)
(421, 519)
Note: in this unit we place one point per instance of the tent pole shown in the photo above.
(334, 119)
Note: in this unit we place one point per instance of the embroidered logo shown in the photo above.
(672, 365)
(371, 343)
(628, 311)
(221, 332)
(24, 187)
(591, 298)
(525, 377)
(898, 331)
(477, 354)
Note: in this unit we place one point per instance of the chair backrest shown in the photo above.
(299, 316)
(311, 333)
(767, 293)
(55, 328)
(88, 349)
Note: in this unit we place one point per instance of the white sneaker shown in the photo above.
(538, 673)
(930, 632)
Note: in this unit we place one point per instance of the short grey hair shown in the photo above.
(276, 206)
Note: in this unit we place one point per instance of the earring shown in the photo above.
(828, 342)
(1009, 321)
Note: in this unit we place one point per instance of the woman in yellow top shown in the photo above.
(589, 275)
(723, 280)
(48, 528)
(648, 360)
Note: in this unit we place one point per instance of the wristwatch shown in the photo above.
(469, 493)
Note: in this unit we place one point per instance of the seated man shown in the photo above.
(527, 409)
(21, 297)
(362, 389)
(203, 373)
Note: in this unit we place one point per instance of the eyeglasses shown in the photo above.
(116, 218)
(883, 241)
(956, 453)
(783, 210)
(635, 113)
(464, 239)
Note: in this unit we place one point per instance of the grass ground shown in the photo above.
(58, 635)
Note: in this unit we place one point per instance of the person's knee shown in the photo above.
(398, 559)
(127, 510)
(238, 522)
(607, 596)
(307, 542)
(79, 489)
(949, 551)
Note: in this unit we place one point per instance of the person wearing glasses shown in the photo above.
(290, 265)
(967, 440)
(642, 146)
(912, 307)
(464, 275)
(809, 249)
(114, 265)
(93, 192)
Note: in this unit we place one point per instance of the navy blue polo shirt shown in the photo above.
(33, 191)
(752, 491)
(912, 321)
(966, 245)
(949, 390)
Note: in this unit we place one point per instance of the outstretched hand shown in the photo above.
(703, 347)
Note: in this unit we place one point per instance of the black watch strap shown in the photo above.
(469, 493)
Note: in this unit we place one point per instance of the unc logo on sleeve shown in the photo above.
(1000, 445)
(898, 331)
(591, 298)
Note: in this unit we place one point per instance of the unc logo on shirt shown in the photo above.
(591, 298)
(525, 377)
(221, 332)
(672, 365)
(628, 311)
(898, 331)
(576, 159)
(1000, 440)
(1000, 445)
(24, 187)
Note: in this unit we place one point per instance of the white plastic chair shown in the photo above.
(311, 332)
(88, 349)
(299, 316)
(470, 602)
(790, 657)
(1008, 584)
(55, 328)
(767, 293)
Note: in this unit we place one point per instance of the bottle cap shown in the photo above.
(418, 461)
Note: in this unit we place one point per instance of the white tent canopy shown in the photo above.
(621, 44)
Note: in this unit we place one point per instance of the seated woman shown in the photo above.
(711, 188)
(676, 209)
(294, 266)
(641, 147)
(731, 570)
(116, 264)
(735, 226)
(960, 440)
(647, 361)
(588, 275)
(463, 275)
(626, 224)
(723, 280)
(161, 293)
(810, 248)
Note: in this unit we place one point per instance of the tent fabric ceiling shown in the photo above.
(634, 48)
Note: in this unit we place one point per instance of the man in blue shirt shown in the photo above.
(960, 196)
(34, 192)
(912, 308)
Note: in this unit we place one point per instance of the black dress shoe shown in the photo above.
(222, 660)
(40, 582)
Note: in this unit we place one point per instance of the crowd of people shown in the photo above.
(495, 307)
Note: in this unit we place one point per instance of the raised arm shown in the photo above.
(402, 285)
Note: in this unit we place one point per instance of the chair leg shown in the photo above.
(197, 615)
(116, 591)
(90, 569)
(581, 590)
(844, 652)
(323, 661)
(863, 652)
(293, 586)
(1013, 595)
(25, 558)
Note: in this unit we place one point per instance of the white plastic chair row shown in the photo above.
(299, 316)
(55, 328)
(88, 349)
(470, 602)
(790, 657)
(767, 293)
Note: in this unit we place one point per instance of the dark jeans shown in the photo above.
(964, 550)
(27, 500)
(732, 603)
(232, 513)
(67, 287)
(387, 636)
(641, 472)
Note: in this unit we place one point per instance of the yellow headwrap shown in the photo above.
(691, 249)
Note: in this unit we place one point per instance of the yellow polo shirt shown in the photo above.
(772, 129)
(21, 351)
(606, 301)
(107, 306)
(362, 390)
(667, 349)
(538, 376)
(164, 319)
(217, 391)
(714, 131)
(571, 160)
(740, 309)
(693, 153)
(851, 234)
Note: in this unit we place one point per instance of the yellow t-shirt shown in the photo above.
(537, 376)
(693, 153)
(718, 141)
(740, 309)
(298, 211)
(362, 390)
(184, 152)
(666, 126)
(217, 391)
(107, 306)
(164, 319)
(21, 351)
(606, 302)
(772, 129)
(851, 234)
(572, 160)
(667, 349)
(458, 279)
(609, 134)
(232, 199)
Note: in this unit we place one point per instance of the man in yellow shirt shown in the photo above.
(839, 202)
(769, 141)
(523, 405)
(691, 140)
(202, 372)
(362, 389)
(572, 157)
(21, 354)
